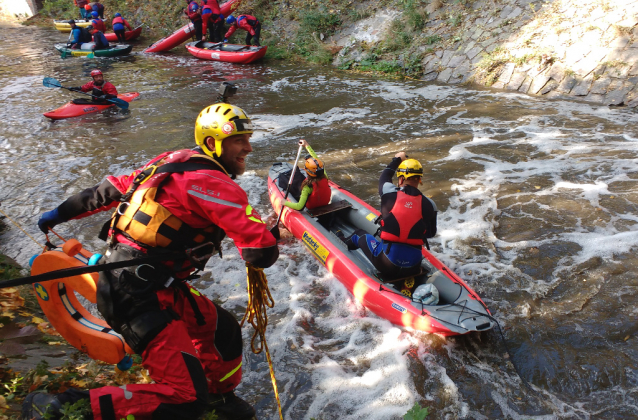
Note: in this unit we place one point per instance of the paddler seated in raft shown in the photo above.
(78, 36)
(98, 23)
(408, 219)
(101, 43)
(315, 190)
(248, 23)
(99, 88)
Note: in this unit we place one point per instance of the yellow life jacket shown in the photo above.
(148, 223)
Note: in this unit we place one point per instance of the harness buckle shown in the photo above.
(121, 212)
(137, 271)
(142, 177)
(192, 253)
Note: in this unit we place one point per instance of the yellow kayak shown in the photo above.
(63, 25)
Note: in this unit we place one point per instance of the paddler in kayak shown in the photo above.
(79, 35)
(408, 219)
(99, 88)
(213, 20)
(101, 43)
(248, 23)
(315, 189)
(193, 11)
(178, 207)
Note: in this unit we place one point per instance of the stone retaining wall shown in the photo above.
(585, 49)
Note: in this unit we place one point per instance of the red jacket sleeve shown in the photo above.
(109, 89)
(99, 198)
(231, 30)
(127, 25)
(225, 203)
(87, 87)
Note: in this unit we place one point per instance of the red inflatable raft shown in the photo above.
(71, 110)
(63, 310)
(129, 35)
(459, 310)
(186, 31)
(229, 53)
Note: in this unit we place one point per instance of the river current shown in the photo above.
(538, 212)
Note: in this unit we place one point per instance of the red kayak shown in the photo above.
(71, 110)
(129, 35)
(459, 309)
(229, 53)
(185, 32)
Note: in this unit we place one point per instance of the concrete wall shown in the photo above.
(18, 9)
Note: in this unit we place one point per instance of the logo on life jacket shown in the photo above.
(41, 292)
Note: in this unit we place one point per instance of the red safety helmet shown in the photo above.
(96, 72)
(88, 7)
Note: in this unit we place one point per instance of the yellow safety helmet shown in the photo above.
(409, 168)
(220, 121)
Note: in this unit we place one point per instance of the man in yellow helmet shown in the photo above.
(177, 207)
(408, 218)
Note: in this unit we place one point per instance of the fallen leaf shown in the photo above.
(55, 343)
(37, 320)
(537, 187)
(627, 338)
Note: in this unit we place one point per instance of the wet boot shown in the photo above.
(37, 405)
(348, 241)
(229, 406)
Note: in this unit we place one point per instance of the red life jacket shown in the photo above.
(320, 195)
(118, 19)
(404, 223)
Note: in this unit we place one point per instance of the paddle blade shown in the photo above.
(119, 102)
(275, 232)
(51, 82)
(90, 55)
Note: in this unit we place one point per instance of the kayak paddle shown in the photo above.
(54, 83)
(275, 230)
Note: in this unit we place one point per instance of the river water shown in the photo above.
(537, 212)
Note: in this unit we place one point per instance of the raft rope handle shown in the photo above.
(259, 298)
(44, 248)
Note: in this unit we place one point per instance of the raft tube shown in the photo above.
(113, 51)
(459, 311)
(185, 32)
(228, 53)
(63, 25)
(71, 110)
(128, 35)
(73, 321)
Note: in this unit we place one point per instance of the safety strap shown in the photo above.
(191, 300)
(70, 272)
(175, 167)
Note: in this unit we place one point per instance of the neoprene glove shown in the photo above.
(49, 219)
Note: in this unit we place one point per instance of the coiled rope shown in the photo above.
(259, 299)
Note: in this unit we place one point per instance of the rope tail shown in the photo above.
(259, 299)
